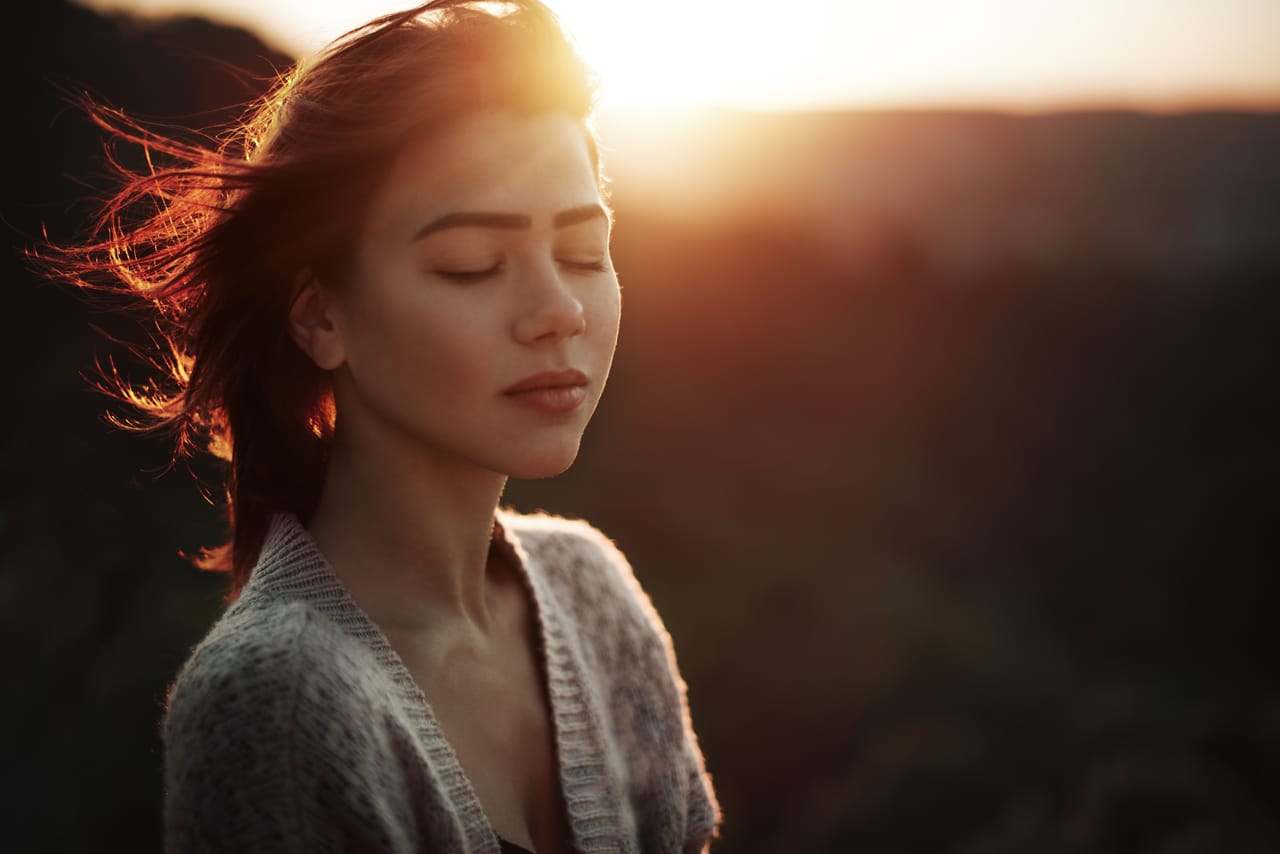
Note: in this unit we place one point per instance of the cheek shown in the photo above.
(404, 329)
(603, 308)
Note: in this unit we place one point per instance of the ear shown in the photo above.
(313, 322)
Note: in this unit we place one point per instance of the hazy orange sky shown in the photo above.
(1011, 54)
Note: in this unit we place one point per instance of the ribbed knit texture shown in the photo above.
(294, 725)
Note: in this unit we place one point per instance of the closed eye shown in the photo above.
(586, 266)
(470, 276)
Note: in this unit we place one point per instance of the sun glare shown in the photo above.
(672, 53)
(1019, 54)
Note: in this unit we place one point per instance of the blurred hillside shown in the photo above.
(945, 444)
(1176, 196)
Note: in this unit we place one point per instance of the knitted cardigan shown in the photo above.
(294, 725)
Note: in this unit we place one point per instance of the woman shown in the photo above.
(388, 292)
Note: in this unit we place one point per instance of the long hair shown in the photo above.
(210, 240)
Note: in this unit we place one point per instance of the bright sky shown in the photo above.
(1013, 54)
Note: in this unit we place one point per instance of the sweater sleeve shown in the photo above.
(265, 753)
(703, 816)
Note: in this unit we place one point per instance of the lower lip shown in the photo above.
(553, 401)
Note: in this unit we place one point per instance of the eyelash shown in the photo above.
(466, 277)
(586, 266)
(474, 276)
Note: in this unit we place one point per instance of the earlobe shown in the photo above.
(313, 325)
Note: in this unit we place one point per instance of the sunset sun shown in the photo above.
(670, 53)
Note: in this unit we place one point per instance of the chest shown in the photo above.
(496, 716)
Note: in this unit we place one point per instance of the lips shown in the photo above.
(547, 380)
(550, 392)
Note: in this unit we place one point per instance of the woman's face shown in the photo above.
(481, 320)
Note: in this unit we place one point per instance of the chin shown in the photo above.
(543, 463)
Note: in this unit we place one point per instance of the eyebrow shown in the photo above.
(509, 221)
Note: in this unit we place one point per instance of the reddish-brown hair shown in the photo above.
(210, 240)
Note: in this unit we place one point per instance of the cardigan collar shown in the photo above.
(291, 565)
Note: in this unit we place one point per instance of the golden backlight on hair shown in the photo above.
(210, 241)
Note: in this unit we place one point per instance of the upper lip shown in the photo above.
(547, 379)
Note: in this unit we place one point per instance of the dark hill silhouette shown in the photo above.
(945, 443)
(97, 611)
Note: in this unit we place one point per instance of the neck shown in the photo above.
(408, 532)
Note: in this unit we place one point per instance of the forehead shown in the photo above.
(497, 161)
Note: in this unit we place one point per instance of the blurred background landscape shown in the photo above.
(945, 441)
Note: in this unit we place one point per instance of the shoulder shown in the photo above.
(547, 535)
(258, 653)
(279, 678)
(596, 584)
(569, 547)
(582, 564)
(274, 711)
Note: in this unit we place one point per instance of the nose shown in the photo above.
(550, 310)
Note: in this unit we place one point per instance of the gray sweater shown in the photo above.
(294, 726)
